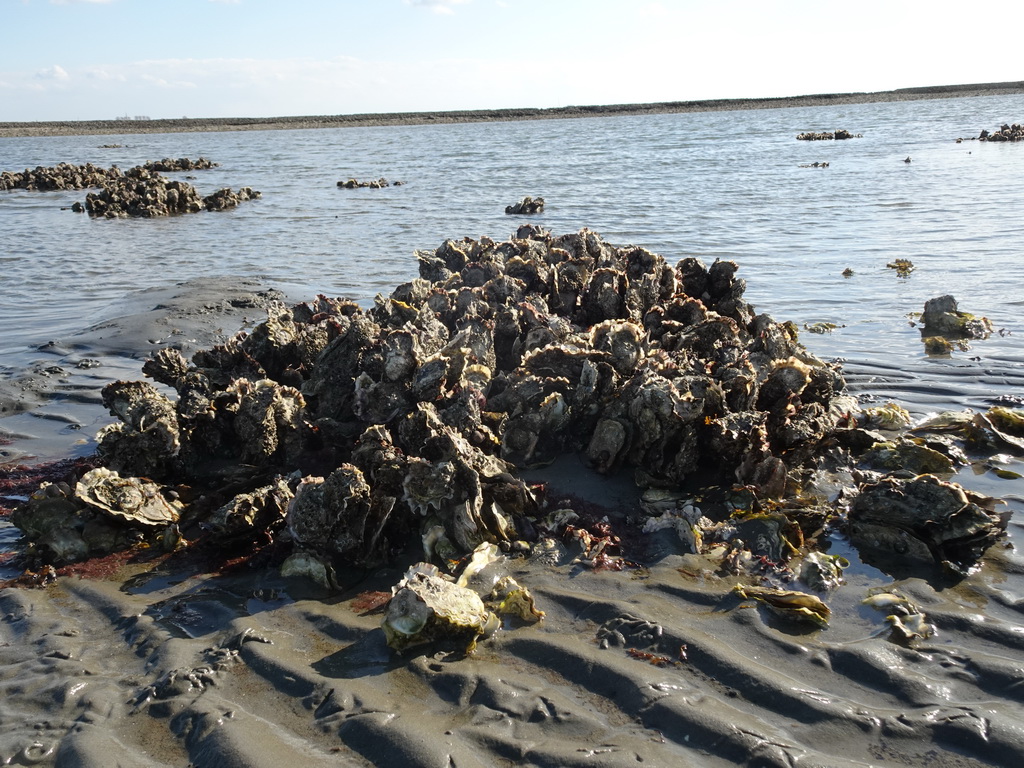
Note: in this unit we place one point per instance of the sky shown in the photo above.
(102, 59)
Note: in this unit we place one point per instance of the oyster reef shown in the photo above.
(350, 435)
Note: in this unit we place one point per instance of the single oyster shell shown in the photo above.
(129, 498)
(925, 519)
(484, 555)
(909, 629)
(508, 598)
(51, 519)
(790, 604)
(773, 536)
(339, 516)
(428, 485)
(823, 572)
(890, 601)
(888, 416)
(304, 565)
(427, 608)
(260, 510)
(909, 455)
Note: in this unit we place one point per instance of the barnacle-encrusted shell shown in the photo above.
(427, 608)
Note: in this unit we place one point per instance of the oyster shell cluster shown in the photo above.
(372, 184)
(102, 513)
(1005, 132)
(71, 176)
(353, 432)
(842, 133)
(60, 176)
(139, 192)
(528, 205)
(173, 164)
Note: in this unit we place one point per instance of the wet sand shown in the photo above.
(59, 394)
(166, 665)
(183, 125)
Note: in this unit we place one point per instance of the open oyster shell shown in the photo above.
(427, 608)
(131, 499)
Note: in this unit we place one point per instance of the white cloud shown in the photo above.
(438, 6)
(161, 82)
(56, 72)
(72, 2)
(101, 73)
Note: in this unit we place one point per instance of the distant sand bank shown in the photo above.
(184, 125)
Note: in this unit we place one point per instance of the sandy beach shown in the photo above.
(185, 125)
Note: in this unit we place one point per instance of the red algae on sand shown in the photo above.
(370, 601)
(18, 481)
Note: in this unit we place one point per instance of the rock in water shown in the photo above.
(942, 317)
(925, 519)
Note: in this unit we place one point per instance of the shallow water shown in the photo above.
(712, 185)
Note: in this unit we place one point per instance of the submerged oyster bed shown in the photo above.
(139, 192)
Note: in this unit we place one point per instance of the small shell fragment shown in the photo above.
(508, 598)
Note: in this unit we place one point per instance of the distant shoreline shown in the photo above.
(188, 125)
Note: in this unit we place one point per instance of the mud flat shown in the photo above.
(182, 125)
(163, 663)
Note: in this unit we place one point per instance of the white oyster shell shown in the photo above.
(129, 498)
(428, 608)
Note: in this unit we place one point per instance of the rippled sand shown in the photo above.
(242, 669)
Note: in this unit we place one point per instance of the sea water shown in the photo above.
(715, 185)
